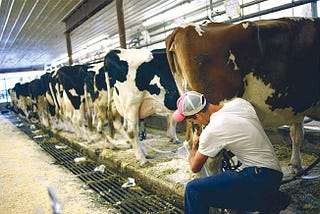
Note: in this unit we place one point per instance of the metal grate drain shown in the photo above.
(107, 184)
(59, 154)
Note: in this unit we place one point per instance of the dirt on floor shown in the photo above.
(27, 171)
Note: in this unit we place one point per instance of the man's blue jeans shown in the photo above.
(248, 190)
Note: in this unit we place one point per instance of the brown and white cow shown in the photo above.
(274, 64)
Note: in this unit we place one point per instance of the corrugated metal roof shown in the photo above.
(32, 31)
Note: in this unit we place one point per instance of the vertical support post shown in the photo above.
(6, 89)
(121, 27)
(69, 48)
(314, 10)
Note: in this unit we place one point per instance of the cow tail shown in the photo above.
(259, 38)
(56, 106)
(170, 49)
(109, 107)
(88, 107)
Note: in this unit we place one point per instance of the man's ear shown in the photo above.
(198, 114)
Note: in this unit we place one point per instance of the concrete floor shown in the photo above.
(26, 171)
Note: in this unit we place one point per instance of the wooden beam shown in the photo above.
(121, 27)
(83, 12)
(22, 69)
(69, 48)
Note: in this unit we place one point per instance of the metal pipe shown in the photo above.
(282, 7)
(272, 10)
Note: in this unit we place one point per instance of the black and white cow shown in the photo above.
(143, 85)
(20, 99)
(99, 103)
(28, 99)
(38, 89)
(69, 87)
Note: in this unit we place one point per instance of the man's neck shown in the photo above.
(214, 108)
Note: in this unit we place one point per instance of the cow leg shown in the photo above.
(140, 153)
(40, 110)
(119, 127)
(142, 130)
(138, 149)
(99, 124)
(297, 135)
(79, 124)
(100, 115)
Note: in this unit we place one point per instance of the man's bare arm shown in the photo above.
(196, 159)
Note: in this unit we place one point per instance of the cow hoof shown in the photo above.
(97, 152)
(114, 148)
(145, 164)
(111, 146)
(91, 141)
(294, 168)
(142, 136)
(178, 141)
(149, 156)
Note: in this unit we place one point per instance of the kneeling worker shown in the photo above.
(235, 127)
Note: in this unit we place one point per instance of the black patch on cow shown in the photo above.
(117, 69)
(44, 85)
(158, 66)
(74, 77)
(100, 79)
(35, 87)
(117, 91)
(88, 79)
(22, 89)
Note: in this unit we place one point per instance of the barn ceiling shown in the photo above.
(32, 31)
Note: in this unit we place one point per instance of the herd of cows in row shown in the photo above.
(274, 64)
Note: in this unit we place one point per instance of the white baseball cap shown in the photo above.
(189, 104)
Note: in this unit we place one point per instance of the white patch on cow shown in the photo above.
(257, 92)
(135, 57)
(49, 98)
(197, 27)
(95, 67)
(73, 92)
(156, 81)
(55, 73)
(245, 25)
(232, 59)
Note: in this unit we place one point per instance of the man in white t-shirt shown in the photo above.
(234, 127)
